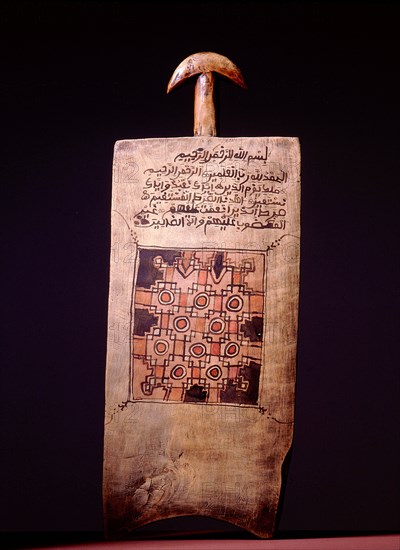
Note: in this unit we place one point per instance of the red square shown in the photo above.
(215, 348)
(196, 372)
(164, 320)
(202, 280)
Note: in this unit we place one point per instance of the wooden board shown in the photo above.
(202, 333)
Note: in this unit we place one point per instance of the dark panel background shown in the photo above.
(77, 76)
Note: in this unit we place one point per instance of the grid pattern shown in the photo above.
(197, 325)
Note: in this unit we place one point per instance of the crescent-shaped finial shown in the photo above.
(205, 64)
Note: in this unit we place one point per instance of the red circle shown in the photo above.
(217, 326)
(235, 303)
(214, 372)
(166, 297)
(198, 350)
(178, 372)
(202, 300)
(232, 349)
(181, 324)
(161, 347)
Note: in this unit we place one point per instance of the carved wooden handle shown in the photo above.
(205, 64)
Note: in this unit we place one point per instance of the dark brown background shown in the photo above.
(77, 76)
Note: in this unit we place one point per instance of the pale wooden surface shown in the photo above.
(173, 458)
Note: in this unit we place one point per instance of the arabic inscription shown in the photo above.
(219, 187)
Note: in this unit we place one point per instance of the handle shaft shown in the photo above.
(204, 108)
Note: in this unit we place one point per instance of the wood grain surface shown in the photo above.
(202, 334)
